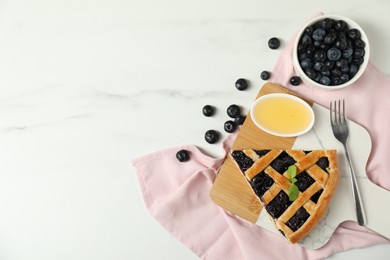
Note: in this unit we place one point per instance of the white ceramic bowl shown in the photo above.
(280, 113)
(362, 67)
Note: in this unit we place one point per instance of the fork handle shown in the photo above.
(360, 214)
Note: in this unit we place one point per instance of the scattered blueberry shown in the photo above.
(241, 84)
(295, 80)
(265, 75)
(274, 43)
(211, 136)
(208, 110)
(230, 126)
(183, 155)
(239, 120)
(233, 111)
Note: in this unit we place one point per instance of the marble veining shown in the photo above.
(87, 86)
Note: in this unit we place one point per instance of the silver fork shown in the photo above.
(339, 124)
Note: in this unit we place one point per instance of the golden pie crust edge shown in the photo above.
(323, 202)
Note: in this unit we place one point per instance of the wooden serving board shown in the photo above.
(232, 191)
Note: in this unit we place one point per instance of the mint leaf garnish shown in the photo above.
(292, 171)
(293, 191)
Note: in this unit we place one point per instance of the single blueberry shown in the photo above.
(211, 136)
(344, 77)
(359, 43)
(341, 63)
(353, 69)
(334, 54)
(341, 42)
(324, 46)
(182, 155)
(318, 77)
(229, 126)
(319, 34)
(295, 80)
(308, 30)
(239, 120)
(317, 44)
(306, 40)
(330, 38)
(358, 61)
(274, 43)
(319, 56)
(265, 75)
(310, 51)
(345, 68)
(336, 80)
(233, 111)
(303, 56)
(359, 52)
(329, 64)
(241, 84)
(318, 66)
(325, 80)
(301, 48)
(336, 72)
(354, 34)
(340, 25)
(325, 72)
(306, 63)
(326, 23)
(312, 74)
(347, 52)
(208, 110)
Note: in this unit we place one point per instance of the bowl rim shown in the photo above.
(284, 95)
(351, 24)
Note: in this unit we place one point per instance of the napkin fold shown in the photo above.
(177, 194)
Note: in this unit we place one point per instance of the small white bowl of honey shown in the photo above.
(282, 115)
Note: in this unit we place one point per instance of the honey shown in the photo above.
(282, 115)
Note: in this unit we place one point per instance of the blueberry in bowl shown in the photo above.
(331, 52)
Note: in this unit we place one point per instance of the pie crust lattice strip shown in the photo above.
(317, 178)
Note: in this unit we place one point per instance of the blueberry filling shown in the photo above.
(261, 153)
(323, 163)
(304, 181)
(298, 219)
(316, 196)
(261, 183)
(278, 205)
(282, 162)
(243, 161)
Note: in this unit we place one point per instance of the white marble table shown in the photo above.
(85, 86)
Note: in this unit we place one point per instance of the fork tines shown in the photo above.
(337, 112)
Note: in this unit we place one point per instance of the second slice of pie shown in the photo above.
(316, 180)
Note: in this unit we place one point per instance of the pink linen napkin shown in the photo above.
(177, 194)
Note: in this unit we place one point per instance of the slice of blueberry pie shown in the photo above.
(294, 186)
